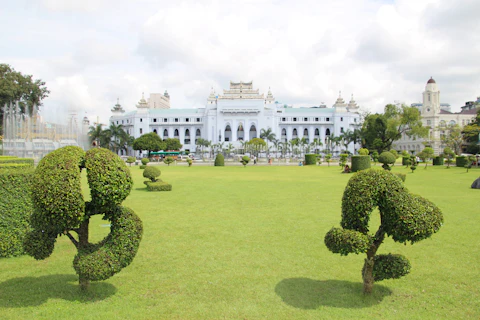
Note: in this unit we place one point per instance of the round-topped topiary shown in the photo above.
(59, 209)
(219, 160)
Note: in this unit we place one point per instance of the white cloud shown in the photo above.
(92, 52)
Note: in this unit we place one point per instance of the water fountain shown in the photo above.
(30, 137)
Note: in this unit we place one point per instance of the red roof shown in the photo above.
(431, 80)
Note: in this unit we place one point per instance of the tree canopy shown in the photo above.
(172, 144)
(149, 141)
(379, 131)
(17, 87)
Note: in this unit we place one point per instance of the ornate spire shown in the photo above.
(142, 103)
(118, 107)
(166, 95)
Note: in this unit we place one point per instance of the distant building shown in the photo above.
(239, 114)
(437, 119)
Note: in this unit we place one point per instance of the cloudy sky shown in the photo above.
(92, 52)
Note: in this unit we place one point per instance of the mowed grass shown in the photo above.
(247, 243)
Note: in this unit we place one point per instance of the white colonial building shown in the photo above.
(239, 114)
(438, 118)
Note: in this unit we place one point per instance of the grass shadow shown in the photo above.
(34, 291)
(304, 293)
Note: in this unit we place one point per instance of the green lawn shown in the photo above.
(247, 243)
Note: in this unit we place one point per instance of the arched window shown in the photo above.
(253, 132)
(197, 134)
(155, 131)
(294, 133)
(317, 133)
(228, 133)
(327, 132)
(186, 140)
(165, 134)
(305, 133)
(240, 132)
(175, 133)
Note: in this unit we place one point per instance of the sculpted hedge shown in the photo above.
(404, 217)
(59, 209)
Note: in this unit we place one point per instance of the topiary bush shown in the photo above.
(404, 217)
(245, 160)
(16, 208)
(438, 161)
(59, 209)
(460, 161)
(131, 160)
(10, 162)
(151, 173)
(145, 161)
(363, 152)
(158, 186)
(343, 160)
(310, 159)
(406, 161)
(219, 160)
(360, 163)
(168, 160)
(386, 158)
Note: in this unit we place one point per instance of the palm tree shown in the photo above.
(316, 143)
(302, 142)
(267, 135)
(276, 144)
(230, 147)
(95, 134)
(113, 133)
(125, 140)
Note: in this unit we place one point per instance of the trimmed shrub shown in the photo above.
(438, 161)
(143, 166)
(158, 186)
(461, 161)
(310, 159)
(403, 216)
(59, 208)
(360, 163)
(343, 160)
(151, 173)
(345, 241)
(145, 161)
(16, 208)
(363, 152)
(402, 176)
(390, 266)
(387, 158)
(10, 162)
(168, 160)
(131, 160)
(245, 160)
(219, 160)
(405, 160)
(190, 162)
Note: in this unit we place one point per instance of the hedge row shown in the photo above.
(310, 159)
(461, 161)
(158, 186)
(12, 162)
(360, 163)
(438, 161)
(219, 160)
(15, 210)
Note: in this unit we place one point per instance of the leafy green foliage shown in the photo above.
(344, 241)
(379, 131)
(59, 208)
(343, 160)
(172, 144)
(17, 87)
(131, 160)
(449, 154)
(363, 152)
(310, 159)
(390, 266)
(461, 161)
(151, 173)
(102, 260)
(219, 160)
(149, 141)
(386, 158)
(438, 161)
(158, 186)
(402, 176)
(15, 209)
(404, 216)
(168, 160)
(375, 156)
(145, 161)
(245, 160)
(360, 162)
(328, 158)
(14, 162)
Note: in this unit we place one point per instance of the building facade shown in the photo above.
(437, 117)
(237, 115)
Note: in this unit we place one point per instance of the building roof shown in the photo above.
(308, 110)
(431, 80)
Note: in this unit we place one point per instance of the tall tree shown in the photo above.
(471, 134)
(452, 138)
(150, 142)
(257, 144)
(16, 87)
(267, 135)
(172, 144)
(379, 131)
(95, 135)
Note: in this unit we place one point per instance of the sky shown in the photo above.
(92, 52)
